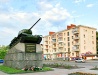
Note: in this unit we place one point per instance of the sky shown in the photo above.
(55, 15)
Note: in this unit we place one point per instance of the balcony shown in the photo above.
(60, 35)
(54, 46)
(60, 45)
(46, 43)
(60, 51)
(76, 38)
(76, 44)
(75, 31)
(60, 40)
(45, 39)
(46, 47)
(76, 50)
(53, 38)
(53, 42)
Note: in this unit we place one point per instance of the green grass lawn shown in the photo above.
(17, 71)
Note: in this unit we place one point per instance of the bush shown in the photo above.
(3, 51)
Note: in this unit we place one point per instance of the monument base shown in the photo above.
(19, 56)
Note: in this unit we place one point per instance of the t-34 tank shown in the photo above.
(25, 36)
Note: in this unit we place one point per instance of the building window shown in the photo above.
(64, 44)
(84, 47)
(92, 37)
(68, 49)
(92, 32)
(84, 35)
(47, 51)
(72, 54)
(67, 33)
(65, 49)
(92, 42)
(54, 50)
(64, 34)
(72, 37)
(49, 42)
(49, 38)
(68, 43)
(72, 42)
(84, 42)
(68, 39)
(64, 39)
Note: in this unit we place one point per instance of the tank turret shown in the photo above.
(25, 36)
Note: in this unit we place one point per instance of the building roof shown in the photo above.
(86, 27)
(69, 29)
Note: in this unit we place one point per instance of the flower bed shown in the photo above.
(81, 73)
(61, 66)
(95, 68)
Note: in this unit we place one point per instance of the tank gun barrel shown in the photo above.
(34, 24)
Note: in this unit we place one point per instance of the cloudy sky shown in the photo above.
(55, 15)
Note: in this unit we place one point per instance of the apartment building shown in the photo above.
(75, 41)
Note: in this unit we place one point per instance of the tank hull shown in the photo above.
(26, 39)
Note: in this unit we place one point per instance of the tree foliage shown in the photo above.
(97, 35)
(3, 51)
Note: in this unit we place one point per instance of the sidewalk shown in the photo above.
(58, 72)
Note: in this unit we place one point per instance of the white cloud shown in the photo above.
(90, 5)
(78, 1)
(3, 1)
(53, 13)
(53, 18)
(43, 6)
(73, 12)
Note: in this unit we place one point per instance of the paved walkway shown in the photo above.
(58, 72)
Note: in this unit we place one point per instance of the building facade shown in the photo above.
(75, 41)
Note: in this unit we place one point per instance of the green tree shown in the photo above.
(3, 51)
(97, 42)
(97, 35)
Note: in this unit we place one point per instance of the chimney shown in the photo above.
(50, 33)
(71, 26)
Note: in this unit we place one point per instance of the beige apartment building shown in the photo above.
(75, 41)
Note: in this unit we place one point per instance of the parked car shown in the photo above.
(79, 60)
(1, 60)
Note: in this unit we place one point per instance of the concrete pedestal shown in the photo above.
(17, 57)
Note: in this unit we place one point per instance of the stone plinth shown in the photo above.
(17, 57)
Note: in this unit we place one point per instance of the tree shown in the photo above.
(97, 35)
(97, 42)
(3, 51)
